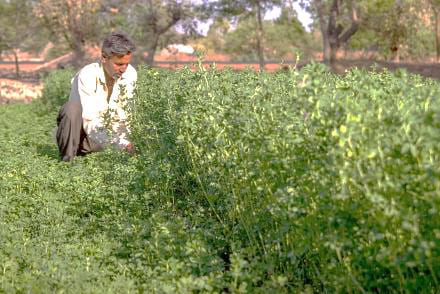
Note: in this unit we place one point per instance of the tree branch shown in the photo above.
(352, 29)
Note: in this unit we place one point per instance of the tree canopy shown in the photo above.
(391, 29)
(18, 30)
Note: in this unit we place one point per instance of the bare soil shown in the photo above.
(16, 90)
(429, 70)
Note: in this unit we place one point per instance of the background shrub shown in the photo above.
(56, 88)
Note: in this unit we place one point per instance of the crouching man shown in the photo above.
(94, 116)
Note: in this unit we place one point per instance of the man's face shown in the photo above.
(115, 66)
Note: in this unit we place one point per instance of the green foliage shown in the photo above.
(315, 180)
(284, 40)
(59, 49)
(293, 182)
(87, 227)
(157, 24)
(19, 31)
(396, 29)
(56, 89)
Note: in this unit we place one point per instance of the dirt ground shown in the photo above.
(13, 90)
(429, 70)
(29, 86)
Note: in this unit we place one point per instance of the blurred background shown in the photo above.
(39, 35)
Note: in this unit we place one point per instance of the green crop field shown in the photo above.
(293, 182)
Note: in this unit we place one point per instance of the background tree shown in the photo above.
(243, 9)
(435, 8)
(396, 29)
(338, 22)
(154, 24)
(75, 22)
(390, 23)
(214, 41)
(19, 32)
(393, 21)
(284, 38)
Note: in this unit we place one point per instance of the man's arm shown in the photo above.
(87, 91)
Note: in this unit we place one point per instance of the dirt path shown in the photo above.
(15, 90)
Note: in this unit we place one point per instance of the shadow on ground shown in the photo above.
(48, 150)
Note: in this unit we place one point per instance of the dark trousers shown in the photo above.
(72, 140)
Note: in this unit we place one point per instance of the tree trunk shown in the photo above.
(333, 56)
(394, 48)
(78, 50)
(436, 30)
(336, 34)
(17, 66)
(151, 50)
(324, 32)
(158, 28)
(396, 35)
(325, 45)
(260, 37)
(78, 56)
(333, 32)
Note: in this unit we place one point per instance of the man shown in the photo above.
(94, 116)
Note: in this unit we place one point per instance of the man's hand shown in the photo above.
(130, 148)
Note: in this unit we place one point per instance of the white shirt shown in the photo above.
(104, 122)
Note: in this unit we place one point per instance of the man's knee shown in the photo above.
(71, 110)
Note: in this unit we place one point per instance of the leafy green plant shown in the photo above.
(277, 161)
(300, 181)
(56, 88)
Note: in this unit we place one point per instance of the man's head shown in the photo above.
(116, 54)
